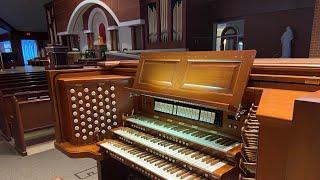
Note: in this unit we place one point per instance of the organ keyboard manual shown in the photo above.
(181, 115)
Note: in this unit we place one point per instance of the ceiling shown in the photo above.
(3, 31)
(24, 15)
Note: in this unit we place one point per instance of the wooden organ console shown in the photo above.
(192, 115)
(180, 119)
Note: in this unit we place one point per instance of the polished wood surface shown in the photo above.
(303, 158)
(277, 105)
(286, 117)
(211, 77)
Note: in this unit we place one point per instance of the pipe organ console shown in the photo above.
(182, 118)
(192, 115)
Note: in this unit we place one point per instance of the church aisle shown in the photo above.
(43, 166)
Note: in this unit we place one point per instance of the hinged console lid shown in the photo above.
(212, 78)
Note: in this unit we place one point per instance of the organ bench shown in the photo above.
(188, 115)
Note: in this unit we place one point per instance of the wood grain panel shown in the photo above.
(215, 78)
(158, 72)
(211, 76)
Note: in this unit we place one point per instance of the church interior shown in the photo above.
(159, 89)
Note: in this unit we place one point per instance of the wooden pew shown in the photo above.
(32, 112)
(26, 74)
(6, 106)
(22, 83)
(39, 78)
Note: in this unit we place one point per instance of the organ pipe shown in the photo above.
(177, 15)
(152, 23)
(164, 19)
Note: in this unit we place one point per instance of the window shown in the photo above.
(29, 50)
(229, 36)
(5, 46)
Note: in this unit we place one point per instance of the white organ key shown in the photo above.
(202, 141)
(100, 103)
(77, 135)
(88, 112)
(109, 127)
(75, 120)
(81, 109)
(108, 114)
(73, 98)
(93, 100)
(83, 123)
(84, 130)
(103, 124)
(80, 101)
(90, 133)
(113, 95)
(76, 128)
(101, 111)
(112, 88)
(93, 93)
(82, 116)
(106, 92)
(102, 118)
(72, 91)
(114, 109)
(75, 113)
(138, 137)
(95, 115)
(107, 106)
(96, 129)
(107, 99)
(143, 161)
(86, 97)
(88, 105)
(114, 116)
(86, 90)
(84, 137)
(90, 126)
(99, 89)
(96, 122)
(74, 106)
(100, 96)
(114, 103)
(103, 131)
(89, 119)
(108, 120)
(79, 94)
(115, 123)
(95, 108)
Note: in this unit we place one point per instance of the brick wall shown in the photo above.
(315, 36)
(125, 10)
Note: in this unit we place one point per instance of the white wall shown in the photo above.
(125, 40)
(78, 29)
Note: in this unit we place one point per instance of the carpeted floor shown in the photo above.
(43, 166)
